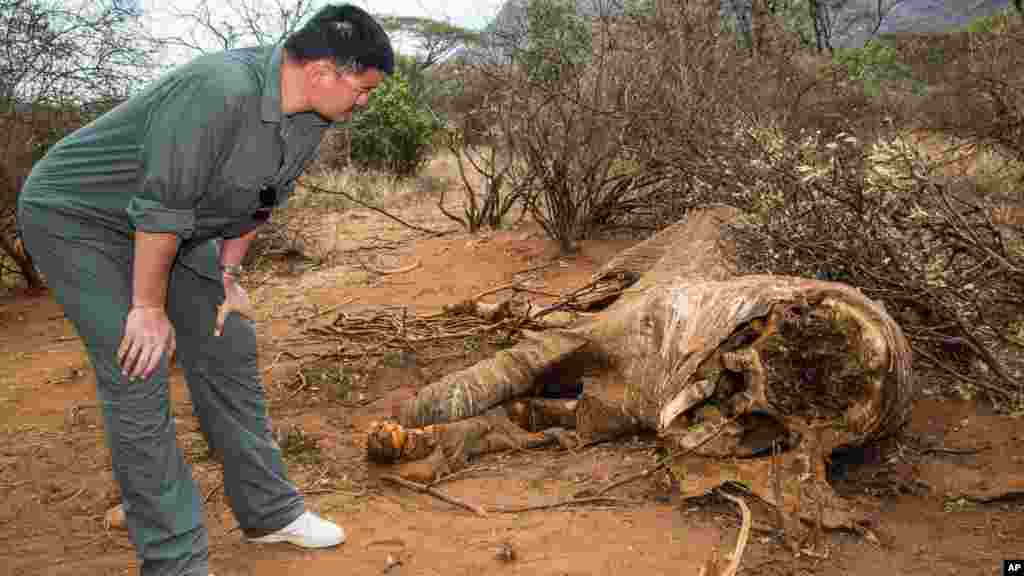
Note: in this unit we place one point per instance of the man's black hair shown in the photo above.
(345, 34)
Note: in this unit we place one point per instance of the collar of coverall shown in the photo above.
(272, 88)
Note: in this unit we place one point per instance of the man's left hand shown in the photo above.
(235, 300)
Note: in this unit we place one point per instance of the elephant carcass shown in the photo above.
(687, 347)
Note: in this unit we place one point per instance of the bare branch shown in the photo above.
(216, 26)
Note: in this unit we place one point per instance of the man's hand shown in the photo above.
(235, 300)
(148, 335)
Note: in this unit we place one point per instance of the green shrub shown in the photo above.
(558, 38)
(872, 64)
(393, 133)
(992, 24)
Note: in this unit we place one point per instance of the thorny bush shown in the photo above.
(877, 215)
(774, 135)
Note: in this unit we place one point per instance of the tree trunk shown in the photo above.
(815, 9)
(758, 25)
(16, 252)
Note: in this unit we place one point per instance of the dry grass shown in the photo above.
(995, 173)
(378, 188)
(294, 234)
(998, 176)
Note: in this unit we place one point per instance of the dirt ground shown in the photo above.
(936, 492)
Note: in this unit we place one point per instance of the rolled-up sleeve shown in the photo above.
(152, 216)
(190, 129)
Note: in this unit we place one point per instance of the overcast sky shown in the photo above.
(466, 13)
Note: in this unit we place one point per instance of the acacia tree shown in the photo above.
(432, 43)
(820, 24)
(61, 63)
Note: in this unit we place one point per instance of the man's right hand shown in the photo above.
(148, 335)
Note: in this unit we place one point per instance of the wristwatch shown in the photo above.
(234, 270)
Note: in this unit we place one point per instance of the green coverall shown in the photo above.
(203, 153)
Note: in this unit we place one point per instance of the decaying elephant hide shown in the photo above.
(687, 346)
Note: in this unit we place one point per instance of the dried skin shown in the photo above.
(687, 330)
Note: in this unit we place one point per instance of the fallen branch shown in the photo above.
(460, 474)
(741, 541)
(302, 386)
(206, 499)
(328, 310)
(293, 356)
(383, 272)
(977, 382)
(515, 287)
(378, 332)
(353, 199)
(955, 451)
(564, 302)
(666, 461)
(780, 519)
(424, 489)
(77, 493)
(562, 504)
(549, 264)
(318, 491)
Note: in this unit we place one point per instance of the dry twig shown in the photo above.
(514, 287)
(777, 486)
(460, 474)
(955, 451)
(211, 492)
(383, 272)
(563, 504)
(424, 489)
(741, 541)
(305, 184)
(302, 386)
(381, 331)
(666, 461)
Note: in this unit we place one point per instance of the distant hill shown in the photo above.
(906, 16)
(939, 15)
(929, 16)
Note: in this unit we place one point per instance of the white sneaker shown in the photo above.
(307, 531)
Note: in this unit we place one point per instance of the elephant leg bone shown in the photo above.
(539, 414)
(424, 454)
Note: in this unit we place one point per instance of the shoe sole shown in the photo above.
(294, 541)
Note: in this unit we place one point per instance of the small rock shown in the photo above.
(505, 552)
(391, 563)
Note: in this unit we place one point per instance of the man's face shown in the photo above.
(336, 94)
